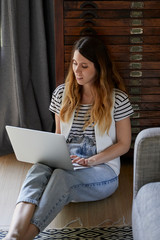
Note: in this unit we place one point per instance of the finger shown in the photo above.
(76, 159)
(73, 156)
(81, 161)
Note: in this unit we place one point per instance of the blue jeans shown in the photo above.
(51, 189)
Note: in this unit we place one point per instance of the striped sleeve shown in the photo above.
(122, 107)
(56, 99)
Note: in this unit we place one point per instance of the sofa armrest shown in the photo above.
(146, 158)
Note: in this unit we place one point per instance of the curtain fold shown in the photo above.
(26, 68)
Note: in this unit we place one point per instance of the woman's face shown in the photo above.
(84, 70)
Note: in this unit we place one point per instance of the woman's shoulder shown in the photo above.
(58, 92)
(122, 106)
(60, 89)
(120, 96)
(56, 99)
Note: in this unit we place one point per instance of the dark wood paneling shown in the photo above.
(112, 14)
(125, 48)
(131, 31)
(123, 57)
(143, 82)
(59, 41)
(125, 22)
(111, 4)
(112, 30)
(143, 65)
(114, 40)
(144, 73)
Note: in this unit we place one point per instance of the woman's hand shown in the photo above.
(84, 161)
(123, 129)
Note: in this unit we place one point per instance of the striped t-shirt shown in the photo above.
(122, 109)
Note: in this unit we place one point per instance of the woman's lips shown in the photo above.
(79, 78)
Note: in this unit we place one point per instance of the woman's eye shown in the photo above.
(82, 66)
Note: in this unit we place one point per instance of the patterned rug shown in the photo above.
(108, 233)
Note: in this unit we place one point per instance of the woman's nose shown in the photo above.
(78, 69)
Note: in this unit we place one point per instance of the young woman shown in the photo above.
(93, 111)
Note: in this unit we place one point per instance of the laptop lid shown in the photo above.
(34, 146)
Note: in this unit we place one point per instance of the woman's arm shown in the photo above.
(123, 131)
(57, 119)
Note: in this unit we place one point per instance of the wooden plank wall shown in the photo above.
(131, 30)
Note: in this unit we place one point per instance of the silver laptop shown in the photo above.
(34, 146)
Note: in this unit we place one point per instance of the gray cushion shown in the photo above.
(146, 213)
(146, 158)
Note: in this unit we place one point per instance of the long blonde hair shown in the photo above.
(107, 79)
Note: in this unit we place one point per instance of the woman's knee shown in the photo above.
(34, 184)
(60, 182)
(39, 167)
(39, 170)
(62, 175)
(110, 187)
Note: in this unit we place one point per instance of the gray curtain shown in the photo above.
(26, 66)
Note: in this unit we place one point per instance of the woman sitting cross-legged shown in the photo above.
(93, 111)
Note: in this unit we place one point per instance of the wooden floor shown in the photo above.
(115, 210)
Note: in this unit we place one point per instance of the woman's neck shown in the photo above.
(87, 96)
